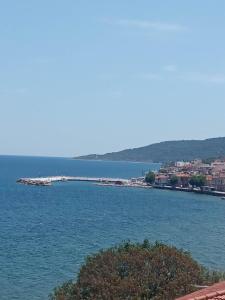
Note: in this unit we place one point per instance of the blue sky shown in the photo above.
(79, 77)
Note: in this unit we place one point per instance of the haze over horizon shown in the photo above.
(89, 77)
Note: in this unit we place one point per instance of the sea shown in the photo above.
(46, 232)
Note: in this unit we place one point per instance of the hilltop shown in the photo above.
(167, 151)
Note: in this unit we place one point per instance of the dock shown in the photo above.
(103, 181)
(46, 181)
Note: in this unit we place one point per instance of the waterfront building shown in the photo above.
(183, 179)
(218, 182)
(162, 179)
(214, 173)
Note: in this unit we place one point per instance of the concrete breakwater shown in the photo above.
(46, 181)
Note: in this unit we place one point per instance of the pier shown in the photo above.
(46, 181)
(104, 181)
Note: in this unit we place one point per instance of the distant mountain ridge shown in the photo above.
(167, 151)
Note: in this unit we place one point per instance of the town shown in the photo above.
(206, 176)
(200, 176)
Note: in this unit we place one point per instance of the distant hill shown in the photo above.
(167, 151)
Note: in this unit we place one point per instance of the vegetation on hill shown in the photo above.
(136, 271)
(168, 151)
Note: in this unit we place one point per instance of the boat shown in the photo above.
(223, 198)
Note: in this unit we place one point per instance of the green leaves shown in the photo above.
(198, 180)
(137, 271)
(174, 180)
(150, 177)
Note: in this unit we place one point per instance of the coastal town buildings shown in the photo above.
(162, 179)
(213, 174)
(218, 182)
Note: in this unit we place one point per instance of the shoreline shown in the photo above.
(189, 190)
(106, 181)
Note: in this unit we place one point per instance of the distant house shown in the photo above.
(218, 166)
(182, 164)
(209, 179)
(205, 169)
(183, 179)
(161, 179)
(218, 182)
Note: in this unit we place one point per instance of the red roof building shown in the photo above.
(214, 292)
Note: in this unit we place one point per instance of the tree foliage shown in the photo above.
(150, 177)
(174, 180)
(198, 181)
(136, 271)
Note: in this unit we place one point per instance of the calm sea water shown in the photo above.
(45, 232)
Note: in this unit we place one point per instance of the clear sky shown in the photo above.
(79, 77)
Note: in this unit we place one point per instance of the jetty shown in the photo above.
(47, 181)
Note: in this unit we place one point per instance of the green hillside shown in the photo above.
(167, 151)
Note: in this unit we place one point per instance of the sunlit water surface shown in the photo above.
(46, 232)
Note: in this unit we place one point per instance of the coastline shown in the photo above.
(188, 190)
(119, 182)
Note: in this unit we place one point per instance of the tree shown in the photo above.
(198, 181)
(174, 180)
(208, 161)
(136, 271)
(150, 177)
